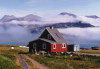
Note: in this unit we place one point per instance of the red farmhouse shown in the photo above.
(51, 40)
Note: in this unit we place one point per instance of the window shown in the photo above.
(34, 45)
(44, 46)
(49, 36)
(54, 46)
(63, 45)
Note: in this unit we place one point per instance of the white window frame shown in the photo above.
(63, 45)
(44, 46)
(54, 46)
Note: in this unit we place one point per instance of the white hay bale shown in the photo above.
(12, 47)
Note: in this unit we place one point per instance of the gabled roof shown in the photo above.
(47, 40)
(56, 35)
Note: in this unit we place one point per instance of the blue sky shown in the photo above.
(24, 7)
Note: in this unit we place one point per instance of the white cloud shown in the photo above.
(32, 2)
(48, 18)
(14, 33)
(95, 22)
(38, 2)
(4, 11)
(85, 33)
(59, 18)
(16, 12)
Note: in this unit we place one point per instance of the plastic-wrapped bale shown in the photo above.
(96, 48)
(76, 47)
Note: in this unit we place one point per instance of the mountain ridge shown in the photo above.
(29, 18)
(93, 16)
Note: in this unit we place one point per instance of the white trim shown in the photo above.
(63, 45)
(54, 46)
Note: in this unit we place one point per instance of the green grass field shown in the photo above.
(66, 62)
(9, 58)
(90, 51)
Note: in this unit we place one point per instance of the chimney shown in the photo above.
(51, 27)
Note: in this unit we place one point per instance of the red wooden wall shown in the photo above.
(58, 48)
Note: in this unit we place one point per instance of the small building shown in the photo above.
(73, 48)
(51, 40)
(96, 48)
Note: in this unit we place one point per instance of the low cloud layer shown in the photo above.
(59, 19)
(95, 22)
(20, 34)
(82, 35)
(15, 34)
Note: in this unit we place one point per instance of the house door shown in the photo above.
(34, 47)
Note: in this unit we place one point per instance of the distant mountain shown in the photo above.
(93, 16)
(8, 18)
(33, 22)
(26, 28)
(37, 28)
(72, 24)
(69, 14)
(28, 18)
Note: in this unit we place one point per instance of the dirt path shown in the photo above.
(36, 64)
(24, 63)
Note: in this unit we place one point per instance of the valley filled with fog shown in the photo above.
(83, 30)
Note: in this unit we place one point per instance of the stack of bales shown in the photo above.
(96, 48)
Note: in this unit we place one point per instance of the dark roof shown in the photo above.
(46, 40)
(56, 35)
